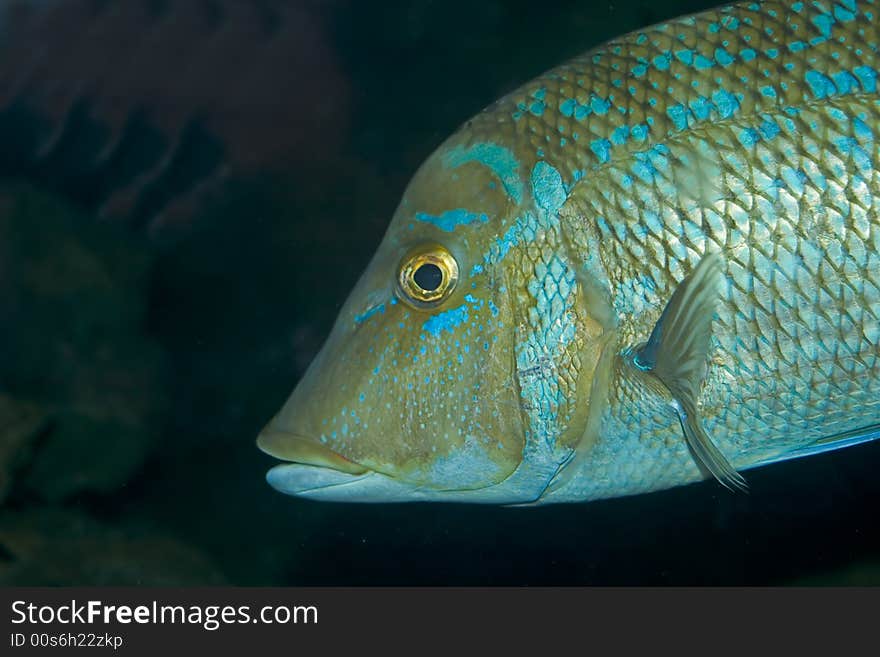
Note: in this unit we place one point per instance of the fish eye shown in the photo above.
(427, 276)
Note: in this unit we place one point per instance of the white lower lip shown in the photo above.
(317, 483)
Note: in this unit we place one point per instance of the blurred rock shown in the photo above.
(139, 110)
(55, 547)
(84, 453)
(74, 344)
(20, 425)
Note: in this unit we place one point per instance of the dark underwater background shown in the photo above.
(176, 237)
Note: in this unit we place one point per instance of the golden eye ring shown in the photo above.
(427, 275)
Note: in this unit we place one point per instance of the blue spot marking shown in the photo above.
(581, 112)
(567, 107)
(549, 192)
(620, 135)
(497, 159)
(862, 130)
(867, 78)
(639, 131)
(749, 137)
(678, 115)
(537, 107)
(599, 105)
(723, 57)
(661, 62)
(846, 144)
(701, 63)
(369, 313)
(504, 243)
(547, 187)
(796, 46)
(646, 164)
(725, 102)
(845, 82)
(644, 171)
(701, 107)
(747, 55)
(640, 70)
(448, 320)
(685, 56)
(449, 220)
(821, 85)
(844, 15)
(602, 149)
(824, 23)
(769, 129)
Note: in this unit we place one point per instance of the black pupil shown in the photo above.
(428, 277)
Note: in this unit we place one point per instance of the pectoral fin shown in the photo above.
(704, 450)
(677, 354)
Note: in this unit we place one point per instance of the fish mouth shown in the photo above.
(296, 448)
(316, 472)
(312, 470)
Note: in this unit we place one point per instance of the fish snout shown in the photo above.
(314, 471)
(296, 448)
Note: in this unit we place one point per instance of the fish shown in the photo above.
(653, 265)
(142, 112)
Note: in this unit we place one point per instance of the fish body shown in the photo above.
(655, 263)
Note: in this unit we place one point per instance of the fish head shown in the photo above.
(417, 392)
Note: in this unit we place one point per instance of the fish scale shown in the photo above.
(620, 86)
(784, 378)
(736, 146)
(798, 330)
